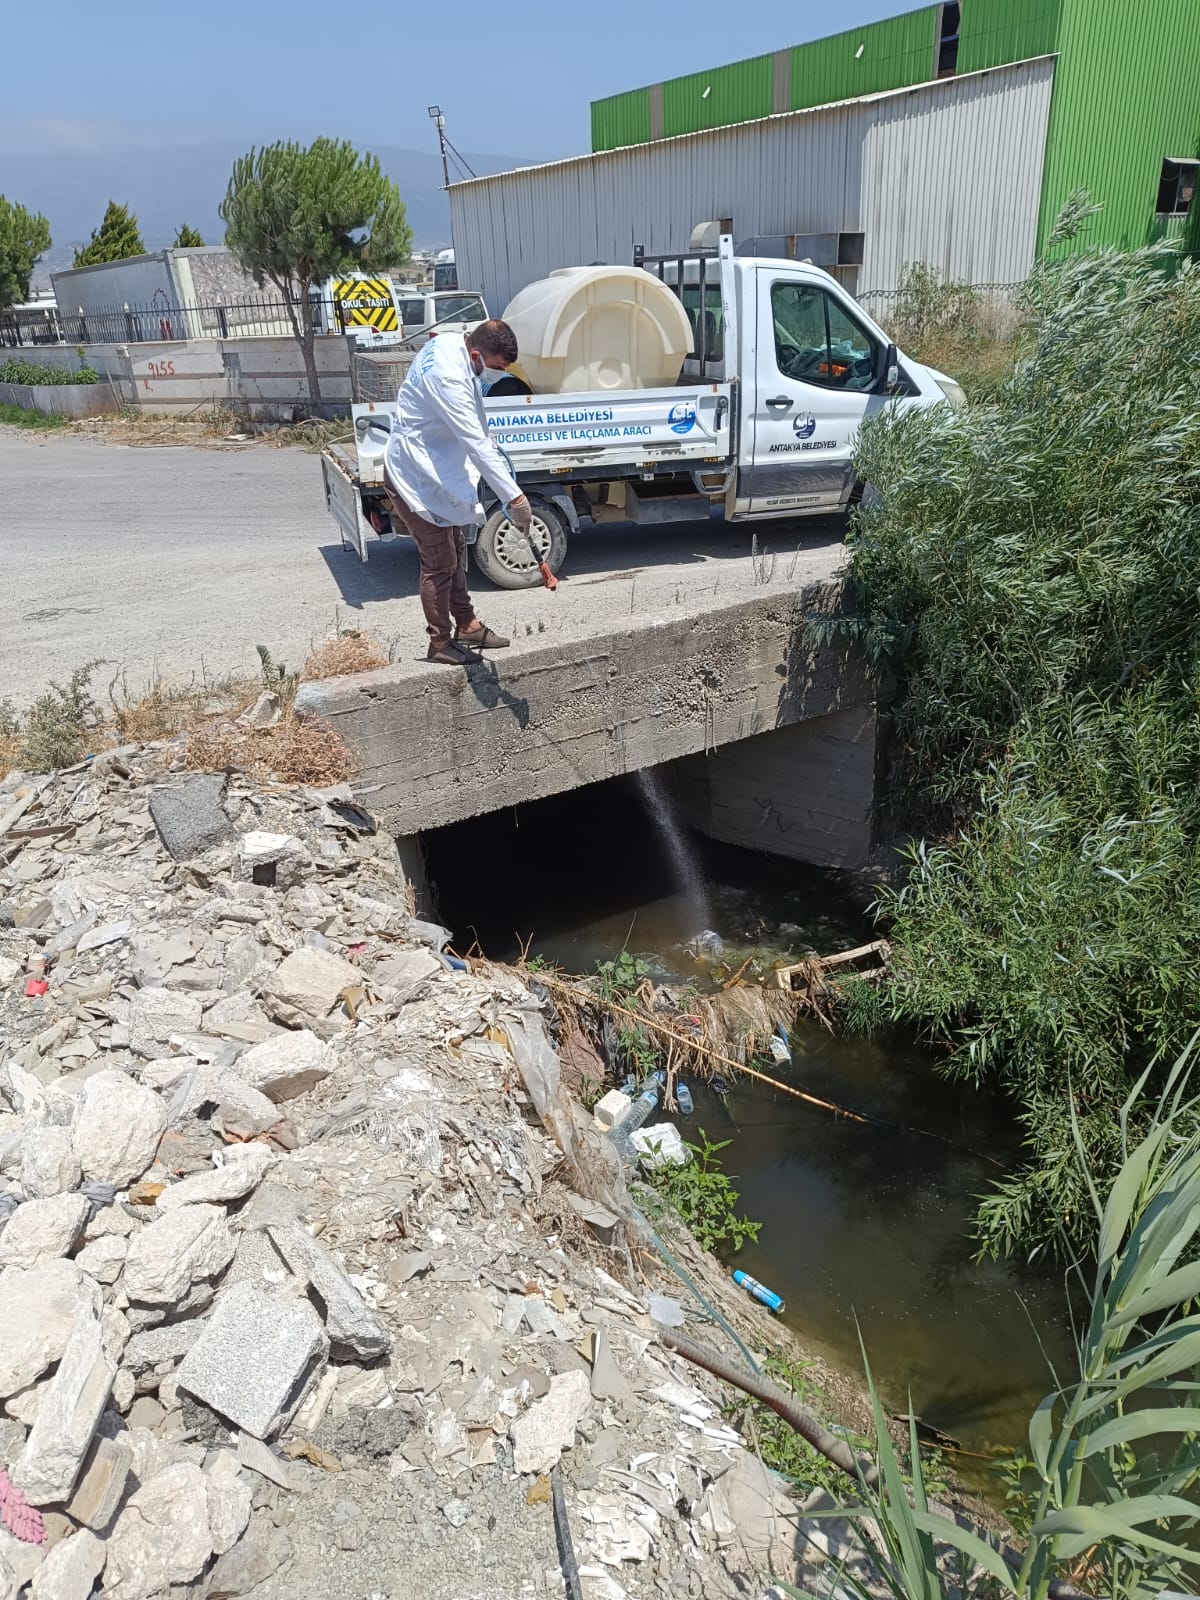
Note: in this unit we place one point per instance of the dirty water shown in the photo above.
(863, 1226)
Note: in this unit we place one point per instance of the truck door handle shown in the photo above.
(780, 402)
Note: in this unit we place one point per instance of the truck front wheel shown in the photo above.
(502, 554)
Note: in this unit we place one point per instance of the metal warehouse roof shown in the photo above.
(726, 129)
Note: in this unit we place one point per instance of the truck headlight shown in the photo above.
(954, 393)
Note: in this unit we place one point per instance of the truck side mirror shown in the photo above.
(887, 369)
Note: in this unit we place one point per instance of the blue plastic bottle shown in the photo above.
(769, 1298)
(683, 1099)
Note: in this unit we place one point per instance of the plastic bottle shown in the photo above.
(683, 1099)
(769, 1298)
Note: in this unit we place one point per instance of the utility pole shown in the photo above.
(436, 113)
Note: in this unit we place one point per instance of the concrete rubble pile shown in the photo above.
(281, 1309)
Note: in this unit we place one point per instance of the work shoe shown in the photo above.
(452, 654)
(484, 639)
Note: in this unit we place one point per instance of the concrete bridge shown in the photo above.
(767, 740)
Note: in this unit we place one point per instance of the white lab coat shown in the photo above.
(439, 445)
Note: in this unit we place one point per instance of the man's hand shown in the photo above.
(520, 513)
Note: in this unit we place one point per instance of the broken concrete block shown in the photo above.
(48, 1162)
(247, 1565)
(18, 1562)
(116, 1128)
(312, 981)
(155, 1015)
(40, 1309)
(244, 1168)
(103, 1259)
(162, 1535)
(264, 713)
(274, 860)
(10, 970)
(611, 1110)
(190, 819)
(354, 1330)
(158, 1347)
(543, 1432)
(285, 1065)
(42, 1230)
(255, 1358)
(71, 1409)
(107, 933)
(101, 1482)
(181, 1248)
(228, 1504)
(70, 1570)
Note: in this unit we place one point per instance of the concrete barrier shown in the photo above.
(61, 399)
(263, 378)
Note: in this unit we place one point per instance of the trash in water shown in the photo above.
(707, 943)
(769, 1298)
(718, 1085)
(779, 1047)
(683, 1099)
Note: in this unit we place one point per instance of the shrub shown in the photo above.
(1030, 572)
(16, 370)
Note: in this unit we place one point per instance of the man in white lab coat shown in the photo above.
(438, 449)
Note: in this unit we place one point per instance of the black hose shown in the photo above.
(566, 1549)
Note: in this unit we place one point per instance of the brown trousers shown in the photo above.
(443, 553)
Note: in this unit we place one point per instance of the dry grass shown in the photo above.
(349, 652)
(297, 751)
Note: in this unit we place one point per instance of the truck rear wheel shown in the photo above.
(502, 554)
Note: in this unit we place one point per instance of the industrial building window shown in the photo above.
(947, 54)
(817, 342)
(1177, 187)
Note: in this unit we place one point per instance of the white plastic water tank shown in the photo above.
(589, 328)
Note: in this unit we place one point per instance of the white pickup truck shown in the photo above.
(784, 369)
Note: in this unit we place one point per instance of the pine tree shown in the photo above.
(188, 238)
(116, 238)
(296, 216)
(24, 237)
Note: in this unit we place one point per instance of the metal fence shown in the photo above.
(255, 315)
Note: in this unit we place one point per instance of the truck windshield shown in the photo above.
(459, 308)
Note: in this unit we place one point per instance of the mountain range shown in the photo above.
(185, 182)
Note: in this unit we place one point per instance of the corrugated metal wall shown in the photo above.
(952, 167)
(621, 119)
(956, 180)
(1128, 95)
(995, 31)
(895, 52)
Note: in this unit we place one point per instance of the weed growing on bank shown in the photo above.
(35, 421)
(702, 1195)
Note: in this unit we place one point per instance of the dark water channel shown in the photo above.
(860, 1222)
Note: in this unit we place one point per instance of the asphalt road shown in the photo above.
(172, 561)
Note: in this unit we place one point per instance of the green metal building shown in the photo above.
(1124, 120)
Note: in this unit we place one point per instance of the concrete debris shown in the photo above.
(354, 1331)
(183, 1247)
(255, 1358)
(116, 1129)
(286, 1065)
(41, 1308)
(312, 981)
(70, 1411)
(371, 1282)
(100, 1485)
(541, 1435)
(191, 818)
(49, 1164)
(70, 1570)
(240, 1173)
(40, 1230)
(264, 713)
(161, 1537)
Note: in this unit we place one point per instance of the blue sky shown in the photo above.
(512, 76)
